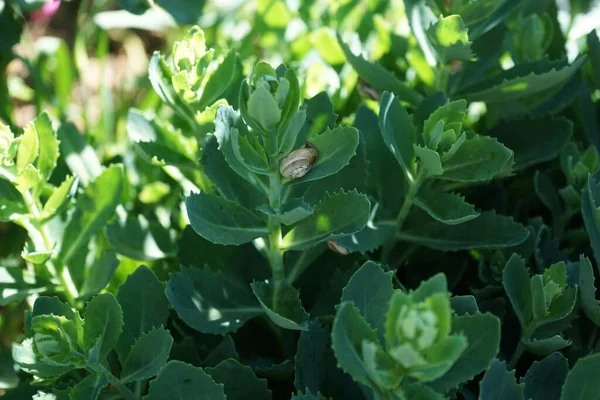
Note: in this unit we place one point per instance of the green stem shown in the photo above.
(41, 239)
(121, 388)
(516, 355)
(413, 190)
(275, 250)
(298, 268)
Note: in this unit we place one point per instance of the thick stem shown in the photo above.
(123, 390)
(275, 250)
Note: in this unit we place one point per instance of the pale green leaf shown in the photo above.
(448, 208)
(449, 38)
(399, 133)
(103, 325)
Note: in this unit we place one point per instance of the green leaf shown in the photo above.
(221, 352)
(372, 304)
(337, 215)
(29, 146)
(140, 239)
(239, 381)
(399, 133)
(181, 381)
(372, 236)
(263, 107)
(489, 230)
(543, 347)
(334, 148)
(581, 383)
(282, 304)
(60, 197)
(448, 36)
(534, 141)
(312, 358)
(499, 384)
(226, 77)
(347, 335)
(17, 284)
(211, 302)
(231, 185)
(94, 209)
(448, 208)
(103, 325)
(319, 118)
(520, 81)
(418, 391)
(99, 274)
(590, 198)
(378, 77)
(11, 202)
(293, 211)
(226, 121)
(483, 337)
(515, 279)
(161, 75)
(544, 379)
(477, 159)
(89, 388)
(222, 221)
(147, 356)
(593, 45)
(429, 159)
(79, 156)
(145, 307)
(306, 396)
(587, 290)
(27, 178)
(48, 145)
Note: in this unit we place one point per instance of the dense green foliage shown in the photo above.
(319, 200)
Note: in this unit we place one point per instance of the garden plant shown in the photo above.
(380, 200)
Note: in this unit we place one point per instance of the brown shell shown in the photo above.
(299, 162)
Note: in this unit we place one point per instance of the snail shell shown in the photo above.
(297, 164)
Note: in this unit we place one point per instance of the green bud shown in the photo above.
(270, 98)
(418, 335)
(56, 338)
(554, 281)
(532, 37)
(8, 145)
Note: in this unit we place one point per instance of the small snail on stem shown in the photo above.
(297, 164)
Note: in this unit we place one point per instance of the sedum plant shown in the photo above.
(407, 212)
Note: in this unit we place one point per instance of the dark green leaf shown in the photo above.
(399, 133)
(337, 215)
(347, 335)
(211, 302)
(515, 280)
(147, 356)
(103, 325)
(334, 149)
(239, 381)
(545, 378)
(282, 304)
(448, 208)
(99, 274)
(483, 335)
(499, 384)
(587, 290)
(590, 200)
(145, 307)
(534, 141)
(372, 304)
(489, 230)
(222, 221)
(582, 382)
(89, 388)
(521, 80)
(477, 159)
(181, 381)
(140, 239)
(11, 202)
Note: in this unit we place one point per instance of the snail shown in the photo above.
(297, 164)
